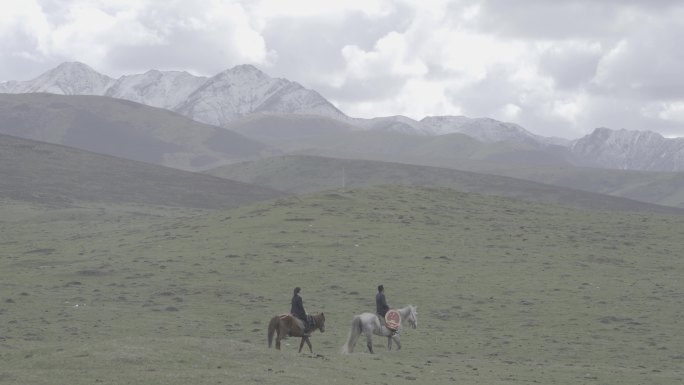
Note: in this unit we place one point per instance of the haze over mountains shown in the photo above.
(243, 90)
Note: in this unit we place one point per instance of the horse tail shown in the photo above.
(271, 329)
(354, 333)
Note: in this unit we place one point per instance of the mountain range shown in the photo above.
(235, 94)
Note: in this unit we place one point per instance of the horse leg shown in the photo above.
(301, 344)
(397, 340)
(389, 343)
(279, 336)
(369, 342)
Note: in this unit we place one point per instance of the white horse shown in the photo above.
(369, 324)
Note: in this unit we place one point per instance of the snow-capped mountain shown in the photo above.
(71, 78)
(163, 89)
(240, 91)
(629, 150)
(244, 89)
(397, 123)
(218, 100)
(482, 129)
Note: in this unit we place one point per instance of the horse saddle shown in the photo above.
(299, 322)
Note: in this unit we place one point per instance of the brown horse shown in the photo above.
(287, 325)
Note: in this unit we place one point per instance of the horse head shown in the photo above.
(413, 316)
(320, 322)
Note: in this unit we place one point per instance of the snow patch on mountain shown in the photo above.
(70, 78)
(630, 150)
(482, 129)
(163, 89)
(397, 123)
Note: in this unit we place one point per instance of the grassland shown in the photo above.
(298, 174)
(507, 291)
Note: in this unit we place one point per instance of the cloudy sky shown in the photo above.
(558, 68)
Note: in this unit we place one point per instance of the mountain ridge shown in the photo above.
(244, 89)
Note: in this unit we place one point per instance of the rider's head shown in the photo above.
(381, 288)
(297, 290)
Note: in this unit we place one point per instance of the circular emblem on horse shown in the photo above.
(393, 319)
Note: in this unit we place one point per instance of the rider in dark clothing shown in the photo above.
(297, 308)
(381, 306)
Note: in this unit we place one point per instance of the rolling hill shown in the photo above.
(300, 174)
(124, 129)
(548, 165)
(32, 171)
(662, 188)
(134, 131)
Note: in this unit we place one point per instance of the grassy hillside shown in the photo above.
(543, 164)
(304, 174)
(664, 188)
(124, 129)
(507, 291)
(35, 171)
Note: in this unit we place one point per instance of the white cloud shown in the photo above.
(668, 111)
(556, 68)
(416, 99)
(391, 56)
(273, 9)
(568, 110)
(89, 33)
(510, 112)
(197, 35)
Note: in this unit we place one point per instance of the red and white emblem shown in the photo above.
(393, 319)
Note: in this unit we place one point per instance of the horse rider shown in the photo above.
(297, 310)
(381, 307)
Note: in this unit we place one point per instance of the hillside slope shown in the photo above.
(548, 164)
(35, 171)
(124, 129)
(663, 188)
(304, 174)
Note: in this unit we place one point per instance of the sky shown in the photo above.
(557, 68)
